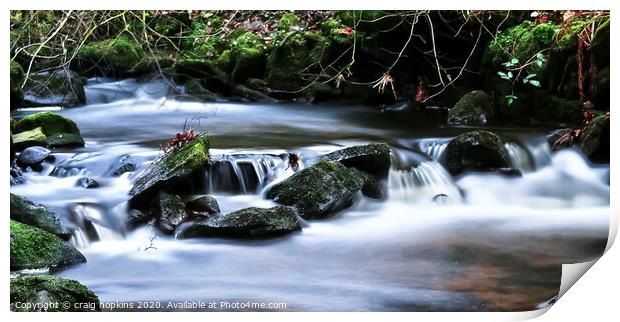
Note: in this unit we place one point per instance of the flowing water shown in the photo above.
(475, 242)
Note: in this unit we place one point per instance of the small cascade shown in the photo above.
(434, 147)
(519, 157)
(93, 223)
(243, 173)
(425, 181)
(103, 91)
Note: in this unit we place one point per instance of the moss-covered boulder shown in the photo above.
(33, 248)
(248, 57)
(110, 57)
(171, 213)
(37, 215)
(286, 62)
(475, 151)
(595, 140)
(16, 80)
(25, 139)
(473, 108)
(370, 158)
(46, 293)
(194, 89)
(246, 223)
(320, 190)
(56, 88)
(202, 207)
(58, 130)
(170, 169)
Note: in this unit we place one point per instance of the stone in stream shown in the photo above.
(476, 151)
(16, 174)
(34, 156)
(57, 130)
(171, 169)
(125, 163)
(595, 138)
(320, 190)
(204, 206)
(371, 158)
(37, 215)
(47, 293)
(171, 213)
(87, 183)
(61, 87)
(473, 108)
(136, 217)
(34, 137)
(246, 223)
(33, 248)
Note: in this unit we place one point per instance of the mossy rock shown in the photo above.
(25, 139)
(475, 151)
(601, 42)
(287, 61)
(246, 223)
(194, 89)
(46, 293)
(252, 95)
(320, 190)
(110, 57)
(170, 169)
(16, 80)
(473, 108)
(34, 248)
(247, 57)
(55, 88)
(595, 139)
(171, 213)
(522, 42)
(37, 215)
(289, 20)
(371, 158)
(58, 130)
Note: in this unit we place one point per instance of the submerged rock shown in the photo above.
(246, 223)
(371, 158)
(170, 169)
(37, 215)
(57, 130)
(56, 88)
(46, 293)
(204, 206)
(125, 163)
(171, 213)
(33, 248)
(476, 151)
(33, 156)
(473, 108)
(320, 190)
(595, 140)
(87, 183)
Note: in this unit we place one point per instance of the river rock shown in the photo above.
(595, 140)
(25, 139)
(246, 223)
(252, 94)
(320, 190)
(34, 156)
(33, 248)
(125, 163)
(58, 130)
(371, 158)
(204, 206)
(46, 293)
(170, 169)
(37, 215)
(56, 88)
(475, 151)
(87, 183)
(16, 174)
(137, 217)
(172, 213)
(473, 108)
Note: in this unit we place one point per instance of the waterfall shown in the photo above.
(93, 223)
(243, 173)
(519, 157)
(434, 148)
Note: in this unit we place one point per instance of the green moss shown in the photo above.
(332, 29)
(522, 41)
(476, 151)
(59, 130)
(37, 215)
(287, 61)
(288, 20)
(16, 80)
(248, 55)
(473, 108)
(112, 56)
(50, 293)
(34, 137)
(33, 248)
(193, 155)
(223, 61)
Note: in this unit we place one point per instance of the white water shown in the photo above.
(409, 252)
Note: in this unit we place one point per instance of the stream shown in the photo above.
(489, 243)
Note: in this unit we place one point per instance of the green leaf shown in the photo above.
(510, 99)
(504, 75)
(534, 83)
(514, 61)
(530, 76)
(510, 75)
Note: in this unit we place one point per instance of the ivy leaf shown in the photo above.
(534, 83)
(510, 99)
(514, 61)
(510, 75)
(503, 75)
